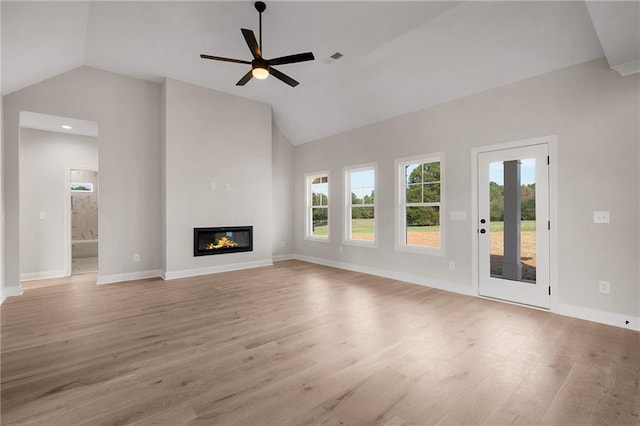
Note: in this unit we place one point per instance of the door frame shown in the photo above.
(68, 259)
(551, 142)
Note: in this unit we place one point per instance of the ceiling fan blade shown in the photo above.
(245, 78)
(283, 77)
(219, 58)
(250, 38)
(299, 57)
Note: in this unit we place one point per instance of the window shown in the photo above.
(317, 214)
(419, 210)
(360, 223)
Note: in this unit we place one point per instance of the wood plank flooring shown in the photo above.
(298, 344)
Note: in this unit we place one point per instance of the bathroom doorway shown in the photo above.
(84, 189)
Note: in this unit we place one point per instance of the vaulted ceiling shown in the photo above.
(398, 56)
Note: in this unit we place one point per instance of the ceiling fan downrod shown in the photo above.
(260, 7)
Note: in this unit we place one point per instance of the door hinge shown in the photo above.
(549, 225)
(549, 290)
(548, 160)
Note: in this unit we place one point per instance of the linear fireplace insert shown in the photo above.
(230, 239)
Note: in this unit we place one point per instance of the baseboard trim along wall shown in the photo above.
(281, 257)
(172, 275)
(413, 279)
(130, 276)
(609, 318)
(43, 275)
(602, 317)
(9, 292)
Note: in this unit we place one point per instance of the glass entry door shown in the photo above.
(513, 215)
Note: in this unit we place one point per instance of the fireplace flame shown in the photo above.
(223, 242)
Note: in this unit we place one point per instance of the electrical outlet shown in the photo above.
(605, 287)
(601, 217)
(452, 265)
(136, 257)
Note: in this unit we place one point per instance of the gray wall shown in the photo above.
(282, 153)
(44, 161)
(215, 137)
(128, 113)
(594, 113)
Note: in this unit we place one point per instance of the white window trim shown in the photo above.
(400, 219)
(308, 177)
(346, 189)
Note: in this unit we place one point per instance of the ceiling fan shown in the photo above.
(260, 67)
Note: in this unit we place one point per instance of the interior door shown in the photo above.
(513, 225)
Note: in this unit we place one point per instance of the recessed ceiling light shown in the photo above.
(66, 127)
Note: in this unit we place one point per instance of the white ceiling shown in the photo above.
(398, 56)
(54, 123)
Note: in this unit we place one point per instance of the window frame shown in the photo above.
(308, 222)
(401, 204)
(346, 238)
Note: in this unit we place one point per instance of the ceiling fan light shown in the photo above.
(260, 73)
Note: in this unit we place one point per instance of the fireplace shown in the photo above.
(231, 239)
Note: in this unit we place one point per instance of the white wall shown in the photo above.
(282, 153)
(594, 114)
(128, 113)
(215, 137)
(44, 161)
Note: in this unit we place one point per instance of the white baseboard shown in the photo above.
(130, 276)
(43, 275)
(627, 68)
(281, 257)
(9, 292)
(602, 317)
(400, 276)
(609, 318)
(186, 273)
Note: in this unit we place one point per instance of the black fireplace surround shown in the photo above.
(230, 239)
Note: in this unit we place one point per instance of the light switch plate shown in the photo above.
(43, 215)
(601, 217)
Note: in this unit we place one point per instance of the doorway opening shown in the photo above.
(50, 148)
(84, 190)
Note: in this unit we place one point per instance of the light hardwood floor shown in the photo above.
(299, 343)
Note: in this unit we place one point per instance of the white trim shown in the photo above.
(400, 205)
(583, 313)
(628, 68)
(281, 257)
(552, 142)
(346, 184)
(394, 275)
(43, 275)
(10, 292)
(172, 275)
(602, 317)
(308, 207)
(128, 276)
